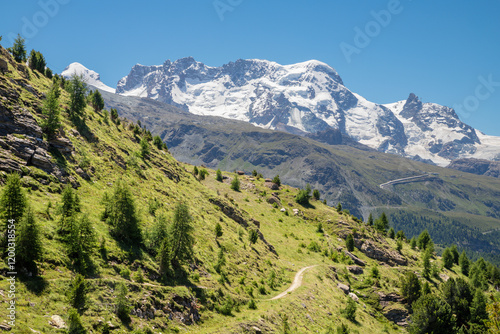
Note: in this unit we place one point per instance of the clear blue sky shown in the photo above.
(437, 49)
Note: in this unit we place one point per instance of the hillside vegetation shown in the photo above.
(130, 240)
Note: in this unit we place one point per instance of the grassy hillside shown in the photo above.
(342, 173)
(228, 284)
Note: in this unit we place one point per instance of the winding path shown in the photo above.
(297, 282)
(406, 180)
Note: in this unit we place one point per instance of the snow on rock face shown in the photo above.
(90, 77)
(309, 97)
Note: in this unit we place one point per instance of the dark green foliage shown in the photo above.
(180, 235)
(350, 310)
(78, 293)
(454, 252)
(153, 205)
(374, 272)
(424, 239)
(400, 235)
(81, 242)
(218, 175)
(235, 184)
(37, 61)
(122, 216)
(48, 73)
(75, 325)
(254, 173)
(13, 200)
(458, 294)
(165, 256)
(478, 274)
(339, 207)
(342, 329)
(77, 89)
(253, 236)
(157, 233)
(399, 245)
(392, 233)
(221, 261)
(195, 171)
(478, 308)
(447, 258)
(349, 242)
(70, 204)
(18, 50)
(426, 263)
(159, 143)
(431, 314)
(29, 240)
(426, 288)
(50, 109)
(316, 194)
(277, 180)
(413, 243)
(114, 114)
(122, 305)
(145, 150)
(370, 220)
(96, 101)
(382, 223)
(252, 305)
(202, 174)
(410, 287)
(218, 231)
(303, 195)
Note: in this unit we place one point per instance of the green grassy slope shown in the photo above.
(106, 152)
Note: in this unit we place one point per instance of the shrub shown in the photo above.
(252, 305)
(253, 236)
(202, 174)
(277, 180)
(75, 325)
(314, 247)
(349, 242)
(316, 194)
(218, 231)
(218, 175)
(235, 184)
(350, 310)
(122, 307)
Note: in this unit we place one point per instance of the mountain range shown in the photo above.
(307, 98)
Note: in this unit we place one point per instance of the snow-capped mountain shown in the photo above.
(310, 97)
(92, 78)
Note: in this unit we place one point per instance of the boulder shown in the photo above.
(356, 270)
(345, 288)
(391, 257)
(4, 67)
(272, 200)
(356, 260)
(353, 296)
(57, 322)
(272, 186)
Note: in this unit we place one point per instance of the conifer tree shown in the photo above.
(78, 293)
(339, 207)
(410, 287)
(370, 220)
(77, 90)
(122, 215)
(349, 242)
(424, 239)
(382, 224)
(180, 234)
(464, 263)
(51, 110)
(447, 258)
(97, 101)
(235, 184)
(316, 194)
(13, 200)
(18, 50)
(29, 240)
(75, 323)
(218, 175)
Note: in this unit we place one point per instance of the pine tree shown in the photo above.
(218, 231)
(424, 239)
(81, 242)
(180, 234)
(441, 321)
(235, 184)
(349, 242)
(218, 175)
(392, 233)
(157, 233)
(454, 252)
(277, 180)
(51, 110)
(77, 90)
(339, 207)
(316, 194)
(29, 240)
(18, 50)
(78, 293)
(144, 148)
(447, 258)
(370, 220)
(37, 61)
(13, 200)
(75, 323)
(413, 243)
(410, 287)
(479, 315)
(122, 215)
(382, 224)
(464, 263)
(97, 101)
(122, 305)
(426, 263)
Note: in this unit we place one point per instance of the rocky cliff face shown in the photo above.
(22, 146)
(310, 98)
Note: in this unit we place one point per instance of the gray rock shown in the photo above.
(345, 288)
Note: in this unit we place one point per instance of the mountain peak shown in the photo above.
(91, 77)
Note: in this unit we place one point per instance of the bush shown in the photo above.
(253, 236)
(303, 197)
(277, 180)
(410, 287)
(218, 231)
(218, 175)
(349, 242)
(202, 174)
(235, 184)
(350, 310)
(316, 194)
(252, 305)
(314, 247)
